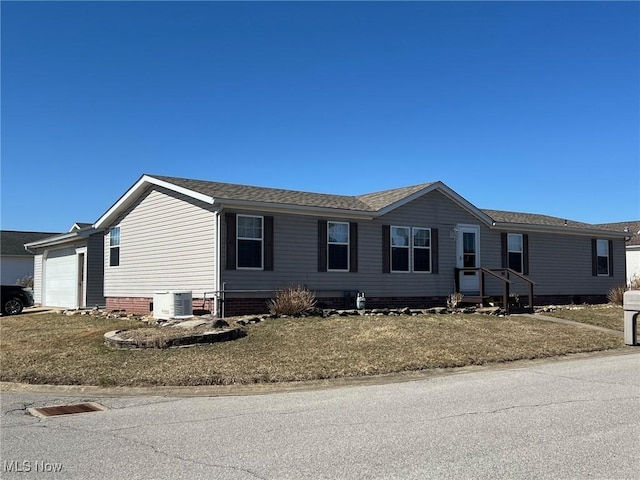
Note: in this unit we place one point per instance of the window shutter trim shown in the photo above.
(386, 248)
(434, 251)
(230, 220)
(525, 254)
(353, 246)
(505, 249)
(611, 258)
(268, 243)
(322, 245)
(594, 257)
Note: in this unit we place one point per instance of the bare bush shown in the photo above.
(294, 299)
(453, 300)
(616, 294)
(26, 281)
(634, 284)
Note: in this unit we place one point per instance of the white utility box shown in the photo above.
(631, 313)
(172, 304)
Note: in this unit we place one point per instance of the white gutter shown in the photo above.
(294, 209)
(557, 229)
(59, 239)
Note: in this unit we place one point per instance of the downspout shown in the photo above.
(217, 283)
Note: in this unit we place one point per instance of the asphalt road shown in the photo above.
(569, 419)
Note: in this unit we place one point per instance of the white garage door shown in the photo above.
(61, 278)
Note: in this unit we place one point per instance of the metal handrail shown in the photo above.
(504, 279)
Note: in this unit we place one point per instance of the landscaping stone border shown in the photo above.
(114, 340)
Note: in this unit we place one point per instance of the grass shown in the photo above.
(57, 349)
(607, 316)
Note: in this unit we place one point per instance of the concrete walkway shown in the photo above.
(537, 316)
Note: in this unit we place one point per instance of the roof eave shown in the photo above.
(557, 229)
(61, 239)
(294, 209)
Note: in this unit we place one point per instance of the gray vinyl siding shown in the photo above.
(37, 278)
(95, 271)
(560, 264)
(296, 247)
(167, 242)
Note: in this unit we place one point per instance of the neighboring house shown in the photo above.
(632, 246)
(69, 268)
(16, 262)
(409, 246)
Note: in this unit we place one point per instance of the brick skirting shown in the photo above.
(130, 305)
(568, 299)
(144, 306)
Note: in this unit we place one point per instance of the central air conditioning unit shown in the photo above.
(168, 305)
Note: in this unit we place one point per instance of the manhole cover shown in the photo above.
(58, 410)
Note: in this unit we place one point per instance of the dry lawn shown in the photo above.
(56, 349)
(607, 316)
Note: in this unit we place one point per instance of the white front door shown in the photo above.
(468, 256)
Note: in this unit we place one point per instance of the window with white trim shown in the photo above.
(515, 252)
(114, 246)
(602, 252)
(250, 241)
(400, 246)
(421, 249)
(338, 246)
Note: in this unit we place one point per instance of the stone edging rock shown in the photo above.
(114, 340)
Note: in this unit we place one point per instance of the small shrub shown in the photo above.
(453, 300)
(292, 300)
(616, 294)
(634, 284)
(26, 281)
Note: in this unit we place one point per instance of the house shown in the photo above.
(69, 268)
(16, 263)
(632, 246)
(410, 246)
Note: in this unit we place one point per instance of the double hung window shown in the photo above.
(114, 246)
(400, 248)
(421, 250)
(250, 242)
(515, 252)
(602, 253)
(338, 246)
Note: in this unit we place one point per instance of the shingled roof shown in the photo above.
(371, 202)
(633, 227)
(380, 200)
(12, 241)
(502, 216)
(367, 205)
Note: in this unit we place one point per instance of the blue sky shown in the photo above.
(523, 106)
